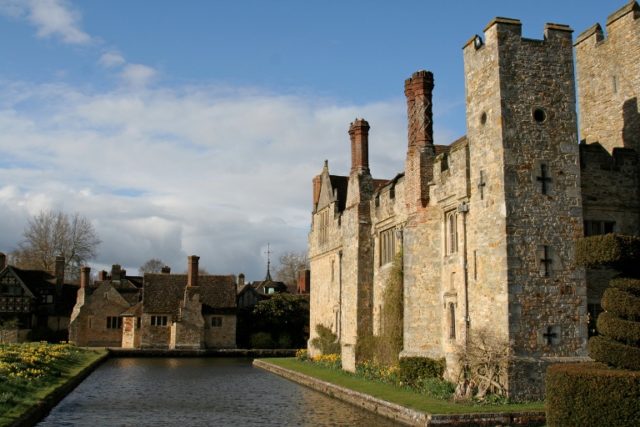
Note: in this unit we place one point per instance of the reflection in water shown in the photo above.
(199, 392)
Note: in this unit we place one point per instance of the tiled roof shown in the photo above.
(164, 292)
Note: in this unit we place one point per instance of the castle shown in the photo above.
(487, 225)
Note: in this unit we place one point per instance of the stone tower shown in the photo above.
(609, 80)
(524, 154)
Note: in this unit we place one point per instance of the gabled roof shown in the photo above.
(163, 293)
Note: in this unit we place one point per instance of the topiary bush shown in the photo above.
(592, 394)
(596, 394)
(610, 250)
(415, 369)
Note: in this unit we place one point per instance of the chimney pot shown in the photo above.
(166, 270)
(240, 280)
(3, 260)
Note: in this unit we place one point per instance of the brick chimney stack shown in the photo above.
(240, 280)
(419, 89)
(59, 271)
(421, 151)
(192, 270)
(85, 273)
(165, 270)
(304, 281)
(102, 275)
(359, 133)
(116, 272)
(3, 261)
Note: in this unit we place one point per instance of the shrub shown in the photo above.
(284, 341)
(614, 353)
(262, 340)
(415, 369)
(625, 331)
(621, 303)
(326, 341)
(436, 388)
(591, 394)
(612, 250)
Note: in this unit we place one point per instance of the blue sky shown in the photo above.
(196, 127)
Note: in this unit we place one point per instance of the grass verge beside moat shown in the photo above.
(35, 376)
(399, 396)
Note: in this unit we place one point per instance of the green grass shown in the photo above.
(18, 394)
(400, 396)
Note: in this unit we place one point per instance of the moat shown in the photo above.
(198, 392)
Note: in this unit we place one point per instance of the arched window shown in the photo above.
(452, 321)
(451, 233)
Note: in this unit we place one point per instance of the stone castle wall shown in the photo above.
(388, 212)
(489, 223)
(609, 80)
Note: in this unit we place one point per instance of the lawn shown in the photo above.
(400, 396)
(31, 372)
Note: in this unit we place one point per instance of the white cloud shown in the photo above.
(52, 18)
(137, 75)
(111, 59)
(212, 171)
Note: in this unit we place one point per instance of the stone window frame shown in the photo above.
(114, 322)
(597, 227)
(451, 231)
(216, 321)
(158, 320)
(451, 319)
(324, 223)
(387, 245)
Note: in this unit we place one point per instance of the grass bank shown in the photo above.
(34, 374)
(397, 395)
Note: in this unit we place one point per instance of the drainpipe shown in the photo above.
(340, 296)
(464, 209)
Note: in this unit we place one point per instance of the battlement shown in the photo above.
(513, 27)
(595, 34)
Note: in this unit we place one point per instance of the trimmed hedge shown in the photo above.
(614, 353)
(415, 369)
(613, 250)
(590, 394)
(621, 303)
(625, 331)
(626, 284)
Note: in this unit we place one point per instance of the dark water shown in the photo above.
(199, 392)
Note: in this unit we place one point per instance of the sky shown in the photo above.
(196, 127)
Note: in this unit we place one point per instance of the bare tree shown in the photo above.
(154, 265)
(290, 264)
(53, 233)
